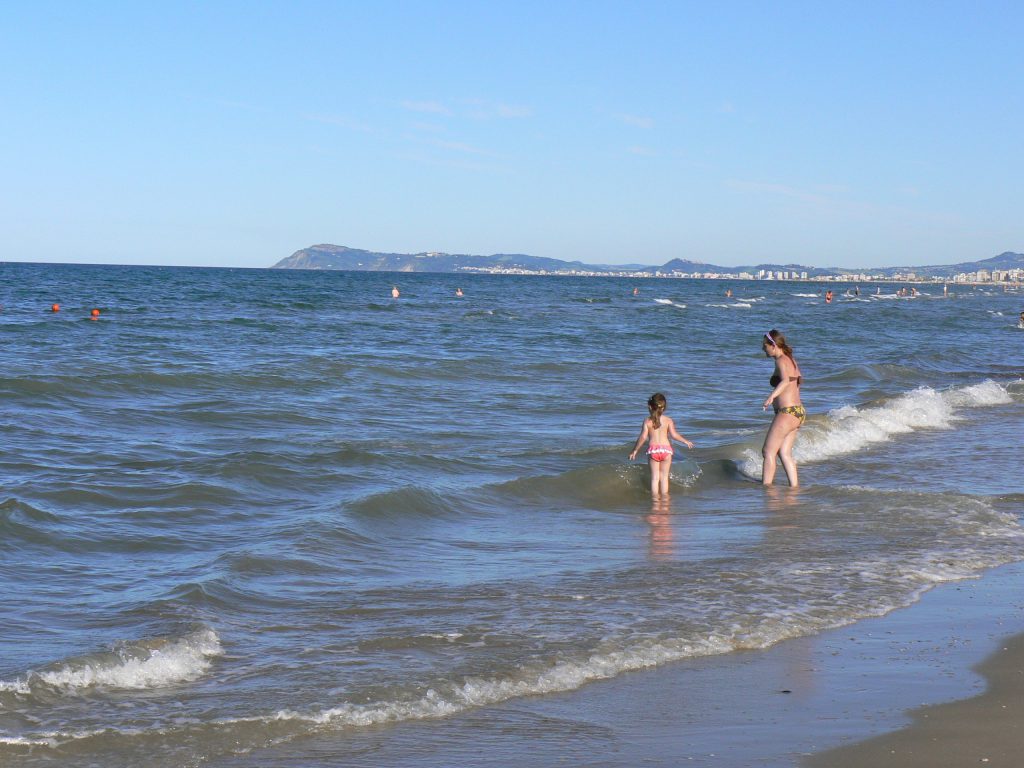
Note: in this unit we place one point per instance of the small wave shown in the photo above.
(14, 509)
(604, 486)
(482, 314)
(21, 524)
(403, 503)
(254, 563)
(248, 322)
(873, 372)
(807, 295)
(479, 692)
(670, 303)
(848, 429)
(143, 664)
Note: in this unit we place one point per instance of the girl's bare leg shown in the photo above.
(655, 476)
(666, 465)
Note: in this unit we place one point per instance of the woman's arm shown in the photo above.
(644, 431)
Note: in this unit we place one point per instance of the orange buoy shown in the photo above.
(55, 308)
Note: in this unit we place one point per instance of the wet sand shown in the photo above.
(780, 707)
(984, 730)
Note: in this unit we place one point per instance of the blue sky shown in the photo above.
(232, 134)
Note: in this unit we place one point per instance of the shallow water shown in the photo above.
(245, 507)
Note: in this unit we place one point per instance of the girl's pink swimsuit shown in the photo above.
(659, 452)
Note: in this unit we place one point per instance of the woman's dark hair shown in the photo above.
(780, 342)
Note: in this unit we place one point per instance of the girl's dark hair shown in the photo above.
(780, 342)
(656, 405)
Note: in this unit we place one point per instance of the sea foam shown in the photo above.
(151, 663)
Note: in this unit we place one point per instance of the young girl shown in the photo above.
(658, 428)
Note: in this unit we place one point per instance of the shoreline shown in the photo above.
(784, 706)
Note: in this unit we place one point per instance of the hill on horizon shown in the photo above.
(340, 257)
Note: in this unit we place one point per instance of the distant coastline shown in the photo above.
(1005, 268)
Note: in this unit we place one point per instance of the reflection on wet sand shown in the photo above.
(787, 513)
(783, 503)
(662, 539)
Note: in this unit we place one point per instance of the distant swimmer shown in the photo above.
(728, 293)
(636, 291)
(394, 293)
(945, 290)
(1021, 323)
(458, 292)
(789, 411)
(828, 297)
(856, 291)
(658, 428)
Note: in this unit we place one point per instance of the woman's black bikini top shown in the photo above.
(775, 379)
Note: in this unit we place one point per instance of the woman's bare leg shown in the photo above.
(781, 427)
(786, 454)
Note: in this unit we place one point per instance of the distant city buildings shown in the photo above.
(981, 276)
(995, 276)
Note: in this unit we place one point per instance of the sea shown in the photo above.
(263, 517)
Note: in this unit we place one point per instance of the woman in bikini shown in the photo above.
(789, 412)
(658, 428)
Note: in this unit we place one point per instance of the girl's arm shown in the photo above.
(676, 436)
(644, 431)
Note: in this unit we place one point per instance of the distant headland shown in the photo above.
(1006, 267)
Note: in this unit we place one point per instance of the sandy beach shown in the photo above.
(987, 729)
